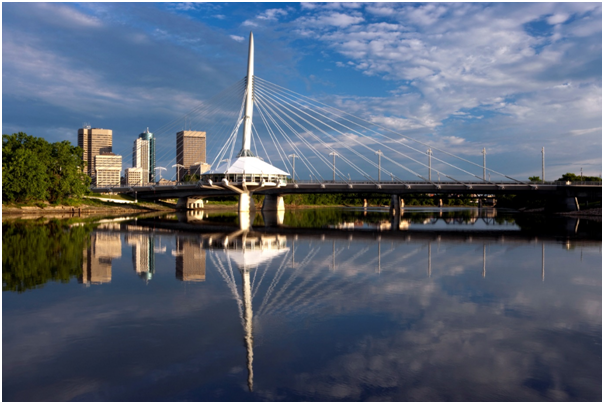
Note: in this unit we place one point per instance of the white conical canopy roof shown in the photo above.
(248, 165)
(253, 258)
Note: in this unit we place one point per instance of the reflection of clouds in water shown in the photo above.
(491, 359)
(451, 336)
(82, 323)
(506, 346)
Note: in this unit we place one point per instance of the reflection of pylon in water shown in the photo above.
(247, 253)
(248, 326)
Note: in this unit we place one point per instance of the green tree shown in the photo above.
(574, 177)
(35, 170)
(535, 178)
(66, 172)
(24, 174)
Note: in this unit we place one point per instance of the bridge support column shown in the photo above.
(570, 204)
(395, 205)
(273, 203)
(246, 202)
(188, 203)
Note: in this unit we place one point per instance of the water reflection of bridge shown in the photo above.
(395, 222)
(291, 285)
(273, 282)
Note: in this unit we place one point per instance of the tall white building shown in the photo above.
(140, 157)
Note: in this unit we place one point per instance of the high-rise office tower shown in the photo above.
(143, 154)
(93, 142)
(190, 149)
(140, 157)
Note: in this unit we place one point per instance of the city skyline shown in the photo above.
(511, 78)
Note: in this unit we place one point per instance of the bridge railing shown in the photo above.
(567, 182)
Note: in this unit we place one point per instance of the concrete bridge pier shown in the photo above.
(189, 203)
(570, 204)
(396, 203)
(273, 203)
(246, 202)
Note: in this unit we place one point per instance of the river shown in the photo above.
(306, 305)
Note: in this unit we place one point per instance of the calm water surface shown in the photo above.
(440, 305)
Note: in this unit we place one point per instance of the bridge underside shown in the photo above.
(214, 190)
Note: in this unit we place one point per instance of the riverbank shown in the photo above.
(83, 207)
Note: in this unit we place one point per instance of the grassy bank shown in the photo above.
(82, 206)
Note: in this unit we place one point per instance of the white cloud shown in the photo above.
(579, 132)
(272, 14)
(332, 19)
(557, 18)
(249, 23)
(463, 56)
(237, 38)
(186, 6)
(67, 15)
(454, 140)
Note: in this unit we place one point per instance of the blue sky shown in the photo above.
(511, 77)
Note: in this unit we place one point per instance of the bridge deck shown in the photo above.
(390, 188)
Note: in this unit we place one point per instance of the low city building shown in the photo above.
(198, 168)
(135, 176)
(108, 169)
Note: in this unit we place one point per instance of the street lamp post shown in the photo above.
(178, 166)
(293, 156)
(379, 153)
(484, 164)
(160, 170)
(429, 151)
(543, 165)
(334, 154)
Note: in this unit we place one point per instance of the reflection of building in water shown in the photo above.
(143, 256)
(190, 260)
(103, 248)
(382, 225)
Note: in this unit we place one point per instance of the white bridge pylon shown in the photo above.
(248, 172)
(310, 131)
(326, 150)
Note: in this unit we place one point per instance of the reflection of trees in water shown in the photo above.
(35, 253)
(324, 217)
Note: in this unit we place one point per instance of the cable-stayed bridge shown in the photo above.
(299, 145)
